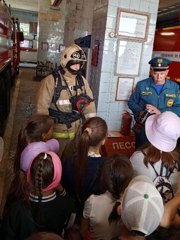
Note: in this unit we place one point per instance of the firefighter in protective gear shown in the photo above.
(66, 96)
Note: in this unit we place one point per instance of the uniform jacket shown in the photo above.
(45, 96)
(145, 93)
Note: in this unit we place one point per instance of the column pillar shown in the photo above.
(104, 78)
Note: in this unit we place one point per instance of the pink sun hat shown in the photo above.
(35, 148)
(163, 130)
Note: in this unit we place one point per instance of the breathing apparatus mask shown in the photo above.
(79, 102)
(73, 71)
(73, 55)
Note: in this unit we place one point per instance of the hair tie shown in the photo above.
(89, 130)
(45, 156)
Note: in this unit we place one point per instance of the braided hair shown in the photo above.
(35, 130)
(42, 173)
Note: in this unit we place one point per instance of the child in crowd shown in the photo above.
(33, 149)
(44, 236)
(160, 160)
(81, 173)
(141, 209)
(45, 210)
(72, 233)
(38, 129)
(100, 211)
(20, 189)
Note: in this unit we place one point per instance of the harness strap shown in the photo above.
(58, 85)
(58, 78)
(63, 117)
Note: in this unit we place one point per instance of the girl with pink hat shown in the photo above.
(159, 159)
(35, 137)
(42, 209)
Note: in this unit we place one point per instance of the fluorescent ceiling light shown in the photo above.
(167, 33)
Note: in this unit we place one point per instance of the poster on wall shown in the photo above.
(128, 57)
(124, 88)
(132, 24)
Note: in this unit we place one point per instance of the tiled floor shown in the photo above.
(22, 107)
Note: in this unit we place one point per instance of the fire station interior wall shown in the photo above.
(28, 56)
(79, 15)
(60, 26)
(51, 31)
(103, 77)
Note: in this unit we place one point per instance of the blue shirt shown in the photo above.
(158, 88)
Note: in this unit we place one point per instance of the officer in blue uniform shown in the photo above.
(154, 95)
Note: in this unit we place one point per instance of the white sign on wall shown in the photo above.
(172, 56)
(128, 57)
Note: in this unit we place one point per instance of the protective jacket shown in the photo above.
(69, 83)
(145, 93)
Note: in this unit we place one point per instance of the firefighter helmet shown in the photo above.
(72, 54)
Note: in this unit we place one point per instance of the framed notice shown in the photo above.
(124, 88)
(132, 24)
(128, 58)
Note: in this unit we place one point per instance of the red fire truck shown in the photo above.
(167, 44)
(9, 60)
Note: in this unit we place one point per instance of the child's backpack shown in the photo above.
(163, 183)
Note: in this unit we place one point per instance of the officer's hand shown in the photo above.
(152, 109)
